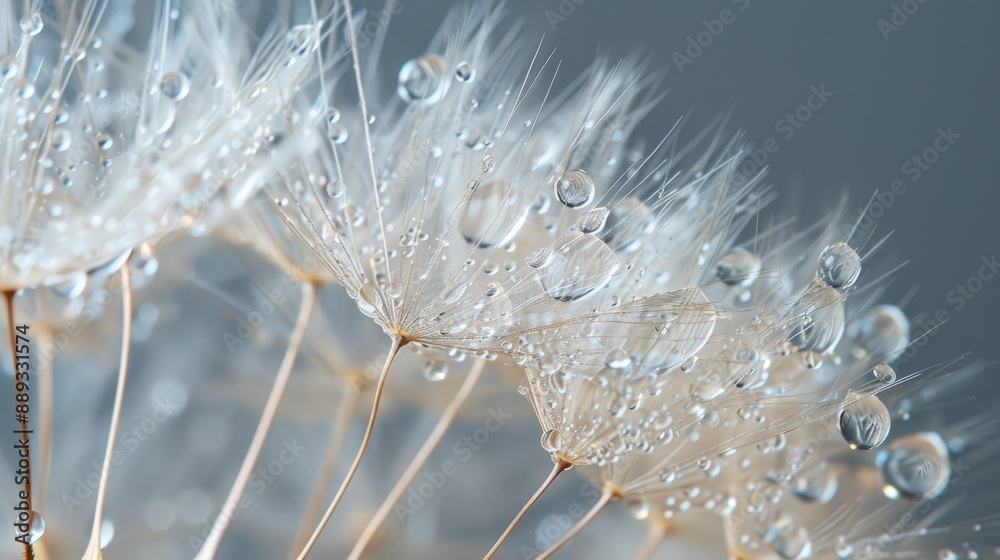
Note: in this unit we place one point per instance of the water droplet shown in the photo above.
(629, 224)
(301, 39)
(493, 215)
(884, 373)
(638, 509)
(839, 266)
(32, 24)
(593, 221)
(105, 141)
(61, 140)
(617, 358)
(882, 330)
(465, 72)
(864, 421)
(551, 441)
(580, 264)
(522, 388)
(916, 466)
(817, 484)
(35, 523)
(421, 80)
(575, 188)
(739, 267)
(435, 370)
(333, 115)
(9, 67)
(792, 542)
(338, 133)
(175, 85)
(368, 300)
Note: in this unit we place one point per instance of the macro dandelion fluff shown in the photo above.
(261, 209)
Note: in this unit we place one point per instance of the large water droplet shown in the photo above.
(32, 24)
(435, 370)
(882, 330)
(35, 524)
(915, 466)
(551, 441)
(629, 223)
(816, 484)
(175, 85)
(574, 188)
(864, 421)
(884, 373)
(493, 216)
(422, 80)
(580, 264)
(593, 221)
(792, 542)
(739, 267)
(839, 266)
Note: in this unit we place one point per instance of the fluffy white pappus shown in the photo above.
(124, 122)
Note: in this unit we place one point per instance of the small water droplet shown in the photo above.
(575, 188)
(435, 370)
(884, 373)
(465, 72)
(421, 80)
(175, 85)
(551, 441)
(864, 422)
(839, 266)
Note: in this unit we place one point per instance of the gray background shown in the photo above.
(890, 96)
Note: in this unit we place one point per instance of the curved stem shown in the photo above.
(93, 551)
(211, 545)
(557, 469)
(397, 343)
(45, 404)
(27, 550)
(418, 461)
(606, 498)
(348, 403)
(657, 530)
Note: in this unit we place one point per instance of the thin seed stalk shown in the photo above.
(557, 469)
(211, 545)
(397, 343)
(419, 459)
(93, 551)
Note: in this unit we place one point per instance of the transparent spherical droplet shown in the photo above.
(61, 140)
(493, 216)
(107, 532)
(593, 221)
(629, 224)
(551, 441)
(739, 267)
(338, 133)
(839, 266)
(368, 300)
(301, 39)
(793, 543)
(32, 24)
(882, 330)
(105, 141)
(579, 265)
(175, 85)
(333, 115)
(916, 466)
(884, 373)
(465, 72)
(817, 484)
(435, 370)
(617, 358)
(9, 67)
(422, 80)
(522, 389)
(638, 509)
(864, 422)
(575, 188)
(35, 524)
